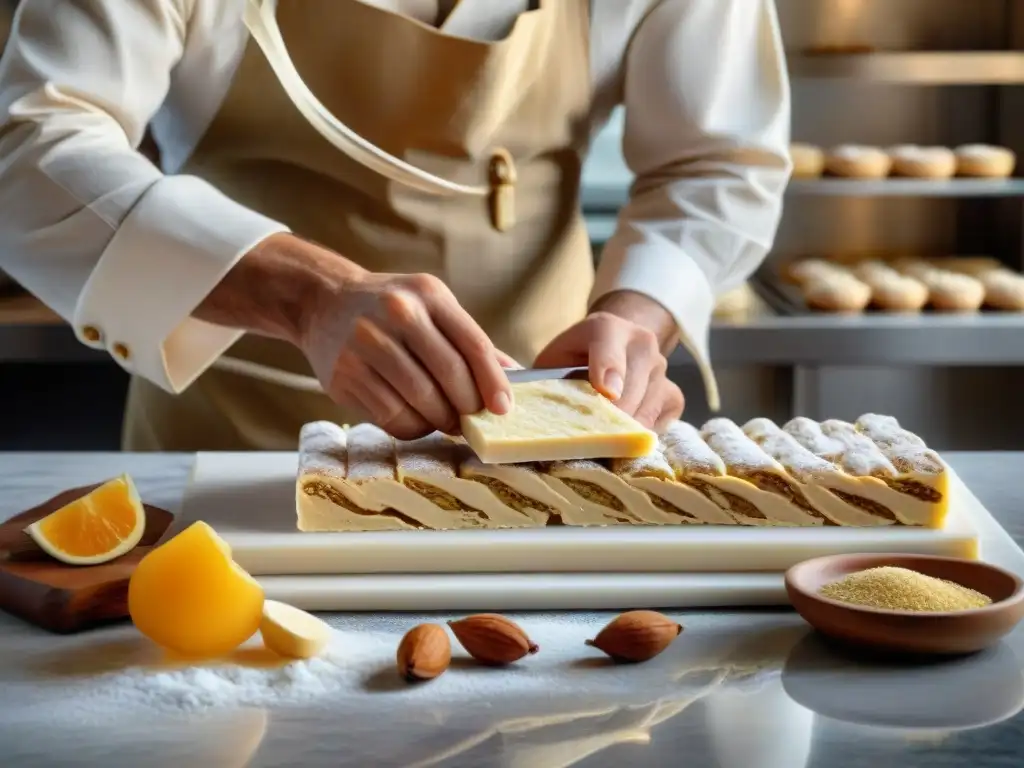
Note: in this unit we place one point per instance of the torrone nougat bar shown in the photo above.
(803, 473)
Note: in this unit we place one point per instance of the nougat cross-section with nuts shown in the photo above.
(871, 472)
(556, 420)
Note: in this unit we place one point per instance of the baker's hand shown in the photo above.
(623, 341)
(401, 349)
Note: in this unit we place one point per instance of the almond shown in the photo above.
(424, 653)
(636, 636)
(492, 639)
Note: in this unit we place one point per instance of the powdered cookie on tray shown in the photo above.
(984, 161)
(808, 160)
(858, 162)
(947, 291)
(1003, 289)
(735, 302)
(836, 293)
(802, 270)
(890, 290)
(923, 162)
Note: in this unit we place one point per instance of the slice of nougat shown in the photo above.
(831, 491)
(429, 467)
(603, 497)
(696, 468)
(757, 478)
(652, 474)
(326, 499)
(378, 498)
(840, 442)
(556, 420)
(921, 473)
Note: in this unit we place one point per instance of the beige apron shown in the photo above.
(446, 104)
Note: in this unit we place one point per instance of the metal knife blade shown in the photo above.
(523, 375)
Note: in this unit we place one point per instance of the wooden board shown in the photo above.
(249, 499)
(64, 598)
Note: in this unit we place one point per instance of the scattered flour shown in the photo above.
(356, 671)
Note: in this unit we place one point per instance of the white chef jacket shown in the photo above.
(111, 242)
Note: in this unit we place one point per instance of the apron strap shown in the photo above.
(261, 19)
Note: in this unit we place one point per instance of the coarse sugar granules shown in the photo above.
(902, 589)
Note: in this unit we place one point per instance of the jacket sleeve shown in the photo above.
(90, 226)
(707, 111)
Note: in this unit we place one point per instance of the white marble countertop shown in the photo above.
(743, 690)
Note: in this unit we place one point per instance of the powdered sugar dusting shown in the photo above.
(916, 153)
(813, 269)
(357, 670)
(654, 464)
(323, 449)
(980, 151)
(736, 449)
(860, 457)
(881, 276)
(687, 453)
(556, 468)
(782, 447)
(841, 444)
(371, 454)
(1002, 279)
(433, 455)
(903, 448)
(857, 152)
(808, 433)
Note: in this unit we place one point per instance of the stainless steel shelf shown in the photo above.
(873, 339)
(908, 187)
(606, 197)
(934, 68)
(810, 340)
(890, 340)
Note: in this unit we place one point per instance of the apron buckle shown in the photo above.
(503, 193)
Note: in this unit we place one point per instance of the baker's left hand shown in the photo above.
(624, 341)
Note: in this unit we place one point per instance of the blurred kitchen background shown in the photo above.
(880, 72)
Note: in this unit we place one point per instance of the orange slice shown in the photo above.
(96, 528)
(189, 596)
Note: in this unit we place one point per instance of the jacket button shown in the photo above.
(91, 334)
(122, 351)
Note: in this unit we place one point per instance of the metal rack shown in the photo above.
(937, 76)
(916, 68)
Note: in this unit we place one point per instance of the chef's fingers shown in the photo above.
(446, 365)
(645, 365)
(671, 410)
(387, 409)
(507, 361)
(395, 365)
(661, 405)
(607, 356)
(568, 349)
(408, 314)
(474, 346)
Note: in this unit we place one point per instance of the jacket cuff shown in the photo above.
(669, 277)
(172, 249)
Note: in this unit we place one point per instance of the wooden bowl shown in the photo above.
(910, 632)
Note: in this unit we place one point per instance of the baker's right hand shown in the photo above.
(401, 349)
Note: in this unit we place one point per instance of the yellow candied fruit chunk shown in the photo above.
(95, 528)
(190, 597)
